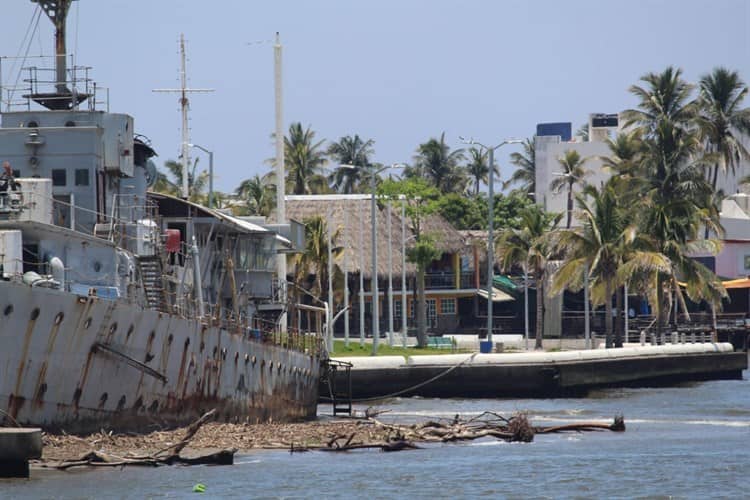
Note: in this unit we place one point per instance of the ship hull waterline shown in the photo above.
(80, 364)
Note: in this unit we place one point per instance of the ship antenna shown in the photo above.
(63, 98)
(184, 106)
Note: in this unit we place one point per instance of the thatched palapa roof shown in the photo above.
(351, 214)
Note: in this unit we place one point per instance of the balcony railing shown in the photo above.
(447, 281)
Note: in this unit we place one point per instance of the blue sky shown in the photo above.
(398, 72)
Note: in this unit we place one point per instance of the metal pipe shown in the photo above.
(390, 279)
(404, 316)
(346, 280)
(374, 278)
(361, 278)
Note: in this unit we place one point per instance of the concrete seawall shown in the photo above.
(540, 374)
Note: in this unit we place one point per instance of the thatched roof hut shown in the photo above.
(351, 215)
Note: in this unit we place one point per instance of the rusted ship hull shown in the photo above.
(84, 363)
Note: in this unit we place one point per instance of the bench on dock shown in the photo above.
(440, 342)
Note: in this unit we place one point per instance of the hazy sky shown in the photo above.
(398, 72)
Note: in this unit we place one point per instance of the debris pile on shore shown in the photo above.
(217, 443)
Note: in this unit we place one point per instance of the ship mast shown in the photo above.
(57, 11)
(184, 107)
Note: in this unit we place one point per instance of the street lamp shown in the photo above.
(210, 173)
(374, 278)
(490, 245)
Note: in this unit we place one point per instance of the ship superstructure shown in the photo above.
(119, 306)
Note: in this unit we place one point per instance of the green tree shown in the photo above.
(353, 151)
(573, 173)
(258, 193)
(463, 212)
(436, 162)
(197, 181)
(604, 243)
(478, 168)
(525, 173)
(722, 123)
(419, 199)
(531, 247)
(304, 161)
(664, 98)
(314, 260)
(675, 197)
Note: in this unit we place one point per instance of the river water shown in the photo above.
(691, 441)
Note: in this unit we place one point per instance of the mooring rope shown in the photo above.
(413, 388)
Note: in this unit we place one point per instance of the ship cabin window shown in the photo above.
(16, 172)
(59, 177)
(82, 177)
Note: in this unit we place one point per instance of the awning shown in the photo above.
(497, 295)
(738, 283)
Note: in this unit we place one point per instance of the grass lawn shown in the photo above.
(384, 349)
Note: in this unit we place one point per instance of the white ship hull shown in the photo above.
(84, 363)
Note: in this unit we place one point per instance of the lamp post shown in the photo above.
(490, 238)
(210, 173)
(404, 324)
(374, 278)
(390, 279)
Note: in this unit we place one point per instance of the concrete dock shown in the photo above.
(18, 446)
(540, 374)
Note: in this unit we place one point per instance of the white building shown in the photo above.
(734, 259)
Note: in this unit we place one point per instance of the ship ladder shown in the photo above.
(149, 267)
(340, 387)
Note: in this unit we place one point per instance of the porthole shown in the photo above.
(254, 360)
(103, 398)
(112, 328)
(59, 318)
(70, 123)
(170, 338)
(87, 323)
(8, 310)
(32, 124)
(130, 331)
(187, 342)
(35, 314)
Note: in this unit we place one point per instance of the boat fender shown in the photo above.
(57, 269)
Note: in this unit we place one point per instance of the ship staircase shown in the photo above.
(150, 270)
(338, 378)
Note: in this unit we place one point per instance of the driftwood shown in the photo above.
(402, 437)
(165, 456)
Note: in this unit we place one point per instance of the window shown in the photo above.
(431, 308)
(82, 177)
(59, 177)
(447, 306)
(397, 308)
(16, 173)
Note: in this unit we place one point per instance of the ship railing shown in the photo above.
(40, 85)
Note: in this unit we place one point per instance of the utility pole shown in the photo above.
(184, 106)
(280, 170)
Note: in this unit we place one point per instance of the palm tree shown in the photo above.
(572, 174)
(441, 165)
(721, 121)
(304, 161)
(525, 174)
(666, 98)
(531, 247)
(478, 169)
(258, 193)
(676, 202)
(314, 260)
(604, 243)
(196, 183)
(352, 151)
